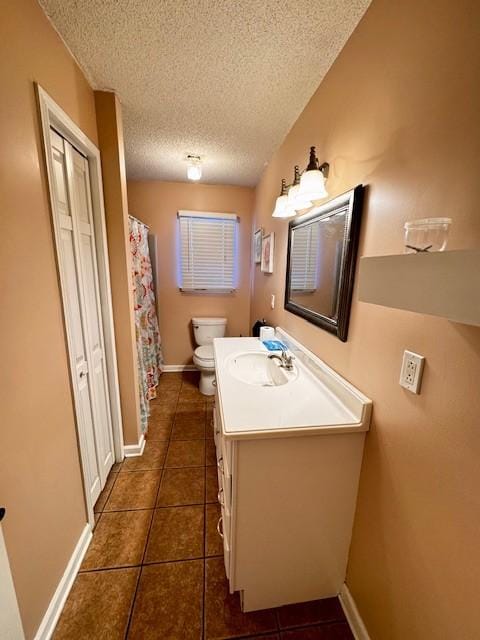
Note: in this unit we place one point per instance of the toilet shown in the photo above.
(205, 330)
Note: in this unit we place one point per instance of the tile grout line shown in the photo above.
(102, 510)
(204, 577)
(165, 506)
(204, 597)
(277, 620)
(152, 564)
(132, 606)
(310, 625)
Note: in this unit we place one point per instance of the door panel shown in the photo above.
(84, 410)
(84, 230)
(73, 318)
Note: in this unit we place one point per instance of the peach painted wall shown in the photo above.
(399, 112)
(110, 140)
(40, 481)
(156, 204)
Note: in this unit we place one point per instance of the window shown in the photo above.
(208, 253)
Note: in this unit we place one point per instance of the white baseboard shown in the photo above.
(173, 368)
(349, 607)
(50, 619)
(131, 450)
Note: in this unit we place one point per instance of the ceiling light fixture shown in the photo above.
(194, 168)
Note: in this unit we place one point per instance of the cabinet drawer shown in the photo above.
(226, 521)
(223, 446)
(224, 491)
(216, 426)
(226, 558)
(222, 531)
(226, 551)
(223, 526)
(227, 457)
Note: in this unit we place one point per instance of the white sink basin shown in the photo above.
(256, 368)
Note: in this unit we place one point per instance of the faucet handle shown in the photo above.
(288, 359)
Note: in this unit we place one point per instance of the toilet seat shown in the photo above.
(203, 356)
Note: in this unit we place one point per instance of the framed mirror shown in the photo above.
(322, 251)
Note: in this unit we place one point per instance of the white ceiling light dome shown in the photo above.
(194, 168)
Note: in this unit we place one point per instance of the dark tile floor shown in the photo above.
(154, 568)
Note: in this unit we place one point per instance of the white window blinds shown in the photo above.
(304, 259)
(207, 251)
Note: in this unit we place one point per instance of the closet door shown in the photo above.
(79, 187)
(73, 319)
(83, 316)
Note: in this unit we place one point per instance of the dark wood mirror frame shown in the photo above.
(349, 203)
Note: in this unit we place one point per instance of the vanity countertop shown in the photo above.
(318, 400)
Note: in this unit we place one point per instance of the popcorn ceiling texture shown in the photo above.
(222, 79)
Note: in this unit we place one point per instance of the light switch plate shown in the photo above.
(412, 371)
(272, 301)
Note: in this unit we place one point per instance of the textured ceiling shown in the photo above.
(223, 79)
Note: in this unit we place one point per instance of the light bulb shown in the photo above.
(194, 169)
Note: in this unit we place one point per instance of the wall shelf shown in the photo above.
(445, 284)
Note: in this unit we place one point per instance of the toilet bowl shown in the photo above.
(205, 330)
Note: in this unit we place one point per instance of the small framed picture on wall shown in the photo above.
(257, 245)
(267, 252)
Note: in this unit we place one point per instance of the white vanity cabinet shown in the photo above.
(287, 494)
(287, 512)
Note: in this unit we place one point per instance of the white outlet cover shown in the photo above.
(412, 371)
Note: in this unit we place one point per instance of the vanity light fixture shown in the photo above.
(312, 183)
(305, 191)
(282, 210)
(194, 168)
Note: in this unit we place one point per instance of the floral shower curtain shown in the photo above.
(150, 360)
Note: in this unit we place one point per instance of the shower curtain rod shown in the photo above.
(134, 218)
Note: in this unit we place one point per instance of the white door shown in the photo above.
(80, 288)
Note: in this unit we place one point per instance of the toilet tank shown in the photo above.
(206, 329)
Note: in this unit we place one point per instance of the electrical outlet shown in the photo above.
(272, 301)
(412, 370)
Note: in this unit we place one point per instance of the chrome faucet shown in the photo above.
(286, 361)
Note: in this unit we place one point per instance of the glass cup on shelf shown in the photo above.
(426, 235)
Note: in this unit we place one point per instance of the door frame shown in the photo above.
(51, 115)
